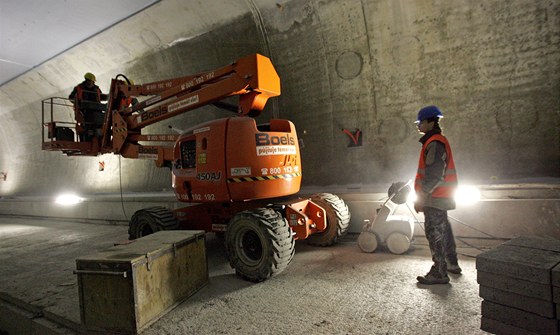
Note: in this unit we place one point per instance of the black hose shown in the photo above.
(121, 189)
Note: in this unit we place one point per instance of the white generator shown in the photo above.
(396, 232)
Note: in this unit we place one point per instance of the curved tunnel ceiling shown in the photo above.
(149, 46)
(33, 31)
(344, 65)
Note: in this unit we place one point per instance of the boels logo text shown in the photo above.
(152, 114)
(266, 139)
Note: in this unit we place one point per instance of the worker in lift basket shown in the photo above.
(85, 91)
(435, 185)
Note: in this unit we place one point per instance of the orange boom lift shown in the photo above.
(238, 175)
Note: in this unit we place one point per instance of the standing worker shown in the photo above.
(85, 91)
(435, 185)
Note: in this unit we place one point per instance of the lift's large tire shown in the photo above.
(259, 244)
(338, 219)
(150, 220)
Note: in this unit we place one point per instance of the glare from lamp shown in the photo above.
(68, 199)
(467, 195)
(411, 197)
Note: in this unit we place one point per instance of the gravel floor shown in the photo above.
(332, 290)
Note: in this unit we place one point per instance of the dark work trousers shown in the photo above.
(441, 240)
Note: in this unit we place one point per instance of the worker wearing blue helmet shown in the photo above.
(435, 185)
(428, 112)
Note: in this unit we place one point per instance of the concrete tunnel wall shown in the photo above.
(492, 66)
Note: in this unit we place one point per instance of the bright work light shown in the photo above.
(467, 195)
(68, 199)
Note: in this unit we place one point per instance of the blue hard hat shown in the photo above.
(429, 112)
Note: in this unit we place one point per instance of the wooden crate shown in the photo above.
(126, 288)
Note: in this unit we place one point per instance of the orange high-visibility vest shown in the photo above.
(449, 185)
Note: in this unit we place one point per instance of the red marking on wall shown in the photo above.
(356, 137)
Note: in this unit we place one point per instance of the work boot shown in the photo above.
(432, 279)
(454, 268)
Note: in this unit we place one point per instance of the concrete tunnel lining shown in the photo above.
(493, 67)
(370, 68)
(395, 42)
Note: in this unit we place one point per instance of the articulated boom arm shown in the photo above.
(253, 78)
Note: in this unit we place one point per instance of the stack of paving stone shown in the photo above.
(520, 284)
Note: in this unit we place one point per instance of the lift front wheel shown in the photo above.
(259, 244)
(338, 219)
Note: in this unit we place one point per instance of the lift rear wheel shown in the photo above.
(259, 244)
(338, 219)
(150, 220)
